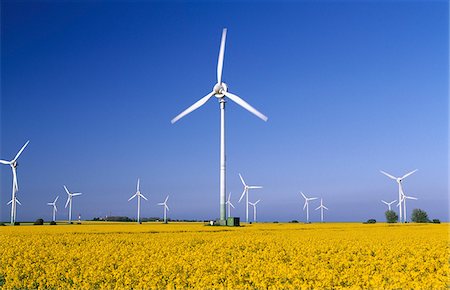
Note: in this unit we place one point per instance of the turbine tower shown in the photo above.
(54, 207)
(321, 207)
(254, 209)
(165, 208)
(138, 194)
(404, 198)
(15, 186)
(230, 205)
(70, 195)
(245, 192)
(307, 199)
(220, 91)
(388, 203)
(399, 181)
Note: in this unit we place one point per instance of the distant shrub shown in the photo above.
(294, 221)
(39, 222)
(275, 222)
(391, 216)
(52, 223)
(2, 224)
(436, 221)
(16, 223)
(371, 221)
(419, 216)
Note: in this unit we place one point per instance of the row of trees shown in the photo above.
(417, 216)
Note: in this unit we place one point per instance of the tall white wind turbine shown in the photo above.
(54, 207)
(165, 208)
(15, 186)
(403, 200)
(220, 91)
(254, 209)
(307, 199)
(388, 203)
(321, 207)
(138, 194)
(230, 205)
(399, 181)
(70, 196)
(245, 192)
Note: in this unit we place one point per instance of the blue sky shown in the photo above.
(349, 88)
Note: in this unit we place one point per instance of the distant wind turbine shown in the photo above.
(307, 199)
(254, 209)
(321, 207)
(165, 208)
(245, 192)
(54, 207)
(403, 200)
(230, 205)
(69, 201)
(138, 194)
(388, 203)
(15, 186)
(399, 181)
(220, 91)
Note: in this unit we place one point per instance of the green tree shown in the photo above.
(419, 216)
(391, 216)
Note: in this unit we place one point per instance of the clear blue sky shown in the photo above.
(350, 87)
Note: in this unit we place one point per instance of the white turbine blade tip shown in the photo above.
(246, 106)
(194, 107)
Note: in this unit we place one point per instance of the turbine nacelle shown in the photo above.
(220, 89)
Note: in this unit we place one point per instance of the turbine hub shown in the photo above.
(219, 89)
(15, 164)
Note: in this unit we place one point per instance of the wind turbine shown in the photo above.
(165, 208)
(254, 209)
(321, 207)
(388, 203)
(70, 195)
(138, 194)
(307, 199)
(15, 186)
(230, 205)
(54, 207)
(220, 91)
(399, 181)
(404, 198)
(245, 192)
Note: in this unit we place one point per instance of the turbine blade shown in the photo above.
(243, 193)
(167, 207)
(67, 202)
(15, 184)
(251, 203)
(56, 199)
(229, 197)
(5, 162)
(10, 202)
(143, 196)
(388, 175)
(76, 193)
(242, 179)
(384, 202)
(305, 205)
(18, 201)
(325, 207)
(50, 203)
(137, 186)
(166, 199)
(408, 174)
(232, 205)
(245, 105)
(304, 196)
(66, 190)
(411, 197)
(255, 187)
(256, 202)
(195, 106)
(132, 197)
(56, 209)
(312, 198)
(161, 203)
(20, 151)
(317, 207)
(221, 53)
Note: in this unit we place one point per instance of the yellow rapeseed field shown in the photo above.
(190, 255)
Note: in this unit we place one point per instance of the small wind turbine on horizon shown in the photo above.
(138, 194)
(245, 192)
(70, 195)
(388, 203)
(230, 205)
(165, 208)
(307, 199)
(403, 200)
(321, 207)
(15, 186)
(220, 91)
(399, 181)
(254, 209)
(54, 207)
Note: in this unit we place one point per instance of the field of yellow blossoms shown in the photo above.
(192, 255)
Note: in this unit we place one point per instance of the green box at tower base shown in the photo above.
(233, 222)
